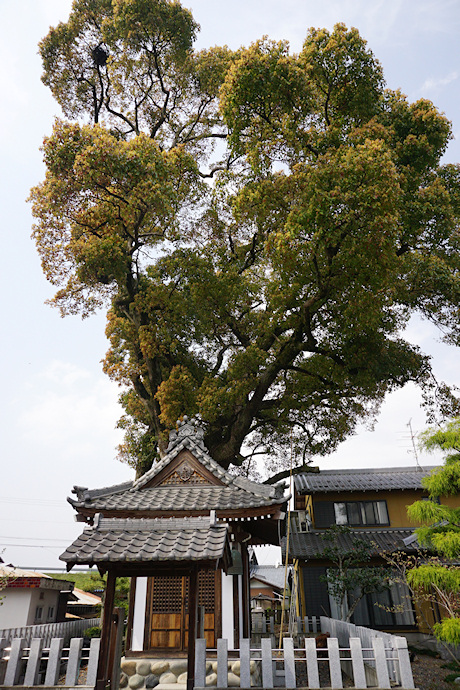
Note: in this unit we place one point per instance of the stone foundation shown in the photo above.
(150, 673)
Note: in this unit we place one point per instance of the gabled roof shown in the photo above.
(218, 490)
(270, 574)
(189, 436)
(20, 578)
(176, 498)
(370, 479)
(311, 545)
(144, 541)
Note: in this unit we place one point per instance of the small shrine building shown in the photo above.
(184, 525)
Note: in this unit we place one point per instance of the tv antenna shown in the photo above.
(414, 446)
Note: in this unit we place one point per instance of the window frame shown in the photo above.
(360, 510)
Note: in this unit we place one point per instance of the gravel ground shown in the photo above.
(429, 674)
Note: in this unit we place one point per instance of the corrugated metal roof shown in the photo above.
(372, 479)
(139, 541)
(311, 545)
(202, 497)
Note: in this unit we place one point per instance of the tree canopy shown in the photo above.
(260, 226)
(441, 531)
(350, 579)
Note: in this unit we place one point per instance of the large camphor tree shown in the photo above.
(260, 226)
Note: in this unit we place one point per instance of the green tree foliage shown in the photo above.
(261, 226)
(94, 583)
(349, 579)
(441, 531)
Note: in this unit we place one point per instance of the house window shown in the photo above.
(39, 613)
(50, 613)
(354, 513)
(361, 513)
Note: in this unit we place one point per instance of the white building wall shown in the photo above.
(46, 599)
(14, 611)
(227, 609)
(140, 601)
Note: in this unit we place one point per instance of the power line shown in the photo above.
(37, 546)
(34, 501)
(4, 536)
(36, 522)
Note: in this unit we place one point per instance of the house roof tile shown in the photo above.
(203, 497)
(372, 479)
(138, 541)
(311, 545)
(270, 574)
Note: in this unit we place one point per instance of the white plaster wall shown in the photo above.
(140, 599)
(14, 611)
(44, 598)
(227, 609)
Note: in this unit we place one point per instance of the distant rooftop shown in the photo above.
(271, 574)
(368, 479)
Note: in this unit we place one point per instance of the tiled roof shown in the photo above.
(203, 497)
(232, 492)
(373, 479)
(309, 545)
(140, 541)
(269, 574)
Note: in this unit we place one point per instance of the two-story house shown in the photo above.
(373, 503)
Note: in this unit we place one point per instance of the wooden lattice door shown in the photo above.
(169, 609)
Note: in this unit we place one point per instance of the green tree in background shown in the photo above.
(260, 225)
(441, 531)
(350, 579)
(94, 583)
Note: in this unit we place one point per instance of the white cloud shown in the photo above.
(69, 405)
(432, 84)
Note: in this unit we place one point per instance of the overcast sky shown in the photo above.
(58, 409)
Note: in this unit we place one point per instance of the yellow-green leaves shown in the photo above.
(346, 76)
(272, 297)
(105, 202)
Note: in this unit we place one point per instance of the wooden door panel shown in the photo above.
(169, 610)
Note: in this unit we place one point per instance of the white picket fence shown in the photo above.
(34, 663)
(306, 625)
(344, 631)
(278, 667)
(48, 631)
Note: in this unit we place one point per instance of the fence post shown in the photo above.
(381, 667)
(73, 665)
(200, 662)
(91, 673)
(267, 667)
(33, 664)
(359, 675)
(54, 661)
(289, 663)
(312, 663)
(13, 668)
(334, 662)
(405, 671)
(245, 663)
(222, 663)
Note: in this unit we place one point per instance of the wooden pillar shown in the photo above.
(103, 665)
(192, 620)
